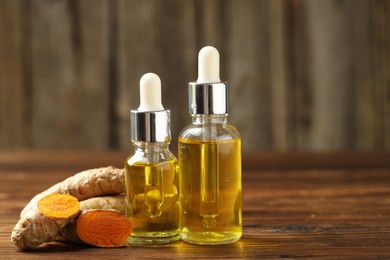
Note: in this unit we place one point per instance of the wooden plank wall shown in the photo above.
(303, 75)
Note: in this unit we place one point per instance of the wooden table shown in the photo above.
(294, 205)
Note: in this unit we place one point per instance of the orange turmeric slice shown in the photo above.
(59, 206)
(103, 228)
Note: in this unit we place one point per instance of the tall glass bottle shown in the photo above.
(151, 173)
(210, 161)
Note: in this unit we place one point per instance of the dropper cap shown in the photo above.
(150, 122)
(150, 93)
(208, 95)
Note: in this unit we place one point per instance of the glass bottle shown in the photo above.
(210, 161)
(151, 172)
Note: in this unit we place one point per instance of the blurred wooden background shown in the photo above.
(303, 75)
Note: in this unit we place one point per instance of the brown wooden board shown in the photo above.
(295, 205)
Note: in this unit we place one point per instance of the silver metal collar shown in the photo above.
(208, 98)
(150, 126)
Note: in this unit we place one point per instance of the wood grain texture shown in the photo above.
(12, 94)
(381, 67)
(69, 74)
(247, 62)
(331, 69)
(303, 75)
(295, 205)
(279, 76)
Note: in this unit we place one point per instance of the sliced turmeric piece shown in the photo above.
(59, 206)
(42, 223)
(103, 228)
(103, 207)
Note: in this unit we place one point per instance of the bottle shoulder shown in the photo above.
(140, 156)
(220, 131)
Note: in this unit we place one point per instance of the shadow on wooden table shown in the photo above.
(179, 249)
(57, 247)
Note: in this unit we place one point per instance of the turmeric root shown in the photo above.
(42, 223)
(84, 185)
(49, 216)
(105, 202)
(102, 223)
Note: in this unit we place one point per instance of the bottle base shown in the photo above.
(210, 238)
(152, 240)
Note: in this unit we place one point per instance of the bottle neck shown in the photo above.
(150, 147)
(201, 119)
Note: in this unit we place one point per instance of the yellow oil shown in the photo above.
(152, 202)
(210, 191)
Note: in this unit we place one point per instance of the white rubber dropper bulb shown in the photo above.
(208, 65)
(150, 93)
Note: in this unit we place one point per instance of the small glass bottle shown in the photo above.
(210, 161)
(151, 173)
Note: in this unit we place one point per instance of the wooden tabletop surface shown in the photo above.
(294, 205)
